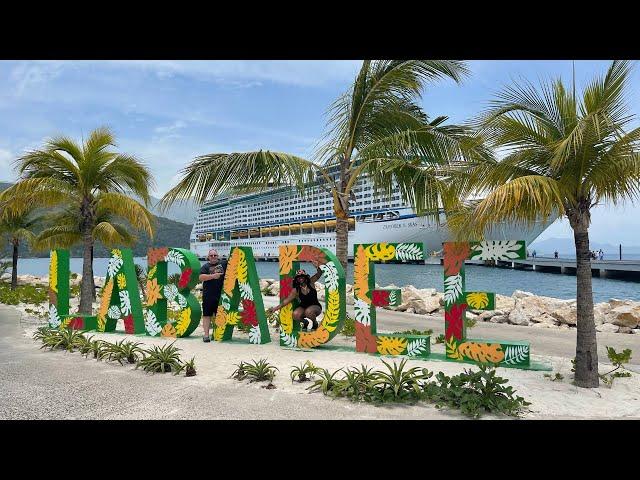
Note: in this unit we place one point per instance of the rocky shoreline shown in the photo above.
(521, 308)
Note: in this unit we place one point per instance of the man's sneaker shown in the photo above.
(206, 339)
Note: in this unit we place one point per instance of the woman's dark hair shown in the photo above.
(307, 278)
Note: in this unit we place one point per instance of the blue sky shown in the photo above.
(168, 112)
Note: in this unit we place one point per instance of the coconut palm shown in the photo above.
(91, 181)
(65, 230)
(376, 128)
(563, 155)
(18, 226)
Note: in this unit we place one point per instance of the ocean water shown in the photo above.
(499, 280)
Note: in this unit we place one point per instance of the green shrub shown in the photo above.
(240, 373)
(304, 372)
(123, 350)
(260, 370)
(349, 327)
(160, 359)
(327, 381)
(413, 331)
(32, 294)
(398, 384)
(440, 338)
(357, 385)
(554, 378)
(618, 360)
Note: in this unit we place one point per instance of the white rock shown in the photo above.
(624, 330)
(522, 294)
(518, 316)
(487, 314)
(274, 289)
(566, 315)
(635, 330)
(624, 316)
(545, 319)
(616, 302)
(600, 311)
(505, 303)
(607, 327)
(499, 319)
(263, 284)
(410, 310)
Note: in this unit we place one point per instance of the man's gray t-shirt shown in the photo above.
(213, 288)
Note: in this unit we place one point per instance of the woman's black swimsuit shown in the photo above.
(309, 299)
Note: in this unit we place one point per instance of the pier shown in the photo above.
(627, 269)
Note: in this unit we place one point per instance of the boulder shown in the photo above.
(607, 327)
(519, 316)
(264, 283)
(616, 302)
(410, 310)
(635, 330)
(624, 330)
(505, 303)
(274, 289)
(566, 315)
(499, 319)
(545, 319)
(600, 311)
(624, 316)
(471, 316)
(487, 314)
(522, 294)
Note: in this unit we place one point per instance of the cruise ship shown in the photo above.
(280, 216)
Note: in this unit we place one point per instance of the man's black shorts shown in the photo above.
(209, 306)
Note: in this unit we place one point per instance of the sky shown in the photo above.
(168, 112)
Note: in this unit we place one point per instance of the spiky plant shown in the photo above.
(260, 370)
(96, 348)
(123, 350)
(398, 384)
(190, 367)
(240, 373)
(303, 372)
(327, 381)
(160, 359)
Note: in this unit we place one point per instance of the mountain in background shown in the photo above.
(567, 247)
(185, 212)
(168, 232)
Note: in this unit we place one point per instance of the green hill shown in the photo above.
(168, 233)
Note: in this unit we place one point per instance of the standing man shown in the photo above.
(212, 278)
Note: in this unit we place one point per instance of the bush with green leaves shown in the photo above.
(327, 381)
(398, 384)
(31, 294)
(96, 348)
(260, 371)
(470, 323)
(618, 360)
(303, 372)
(349, 327)
(190, 367)
(161, 359)
(475, 392)
(62, 339)
(414, 331)
(357, 384)
(240, 373)
(554, 378)
(440, 338)
(123, 350)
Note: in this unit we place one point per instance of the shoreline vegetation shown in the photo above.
(522, 308)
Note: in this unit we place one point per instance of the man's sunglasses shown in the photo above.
(213, 255)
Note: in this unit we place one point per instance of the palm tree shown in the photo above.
(18, 226)
(375, 128)
(88, 180)
(562, 157)
(65, 230)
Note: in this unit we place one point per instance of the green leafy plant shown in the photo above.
(398, 384)
(123, 350)
(190, 367)
(240, 373)
(554, 378)
(349, 326)
(470, 323)
(96, 348)
(440, 338)
(327, 381)
(357, 384)
(304, 372)
(260, 370)
(42, 332)
(243, 327)
(474, 392)
(414, 331)
(618, 360)
(160, 359)
(273, 319)
(63, 339)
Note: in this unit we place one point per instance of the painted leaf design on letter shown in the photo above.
(362, 311)
(183, 321)
(53, 271)
(225, 301)
(254, 335)
(455, 253)
(231, 273)
(184, 278)
(286, 285)
(288, 340)
(496, 250)
(452, 288)
(477, 300)
(245, 291)
(391, 345)
(54, 318)
(175, 257)
(122, 281)
(417, 347)
(361, 275)
(331, 317)
(151, 324)
(454, 321)
(286, 319)
(311, 254)
(365, 340)
(409, 251)
(115, 262)
(288, 254)
(380, 298)
(170, 292)
(243, 268)
(313, 339)
(168, 331)
(515, 354)
(249, 315)
(330, 276)
(128, 324)
(125, 302)
(482, 352)
(182, 300)
(393, 297)
(452, 349)
(114, 312)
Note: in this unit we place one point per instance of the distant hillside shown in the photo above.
(185, 212)
(168, 233)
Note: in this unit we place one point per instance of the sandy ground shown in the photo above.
(39, 384)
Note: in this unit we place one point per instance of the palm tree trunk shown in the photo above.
(93, 283)
(586, 342)
(14, 270)
(86, 296)
(342, 240)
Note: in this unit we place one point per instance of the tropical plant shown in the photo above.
(563, 155)
(93, 184)
(273, 319)
(123, 350)
(190, 367)
(96, 347)
(42, 332)
(18, 225)
(260, 370)
(398, 384)
(63, 339)
(618, 360)
(474, 392)
(357, 384)
(327, 381)
(440, 338)
(141, 277)
(554, 378)
(376, 128)
(303, 372)
(414, 331)
(349, 326)
(160, 359)
(240, 373)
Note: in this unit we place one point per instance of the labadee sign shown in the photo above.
(121, 299)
